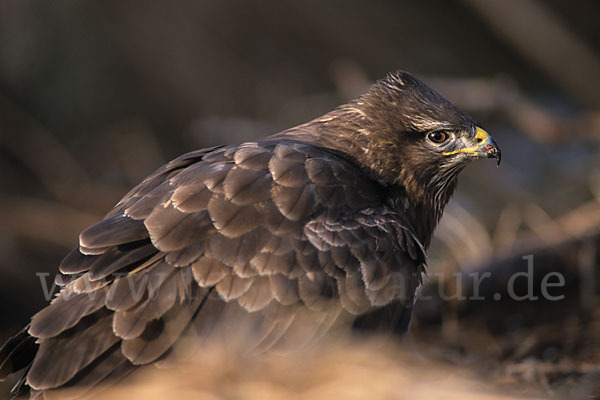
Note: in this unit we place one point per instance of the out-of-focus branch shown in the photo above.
(43, 220)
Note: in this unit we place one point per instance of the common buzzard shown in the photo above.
(270, 242)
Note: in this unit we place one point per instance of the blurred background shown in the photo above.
(96, 95)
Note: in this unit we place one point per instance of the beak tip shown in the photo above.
(491, 148)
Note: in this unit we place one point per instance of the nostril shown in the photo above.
(479, 140)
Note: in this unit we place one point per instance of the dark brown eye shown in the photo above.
(438, 137)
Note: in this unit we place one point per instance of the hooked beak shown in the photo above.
(486, 147)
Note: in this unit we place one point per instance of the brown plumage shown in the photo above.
(297, 230)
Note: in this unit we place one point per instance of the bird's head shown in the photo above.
(409, 137)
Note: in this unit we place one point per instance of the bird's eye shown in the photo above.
(438, 137)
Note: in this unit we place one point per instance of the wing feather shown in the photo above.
(131, 323)
(145, 349)
(246, 186)
(65, 312)
(84, 344)
(233, 220)
(258, 296)
(112, 231)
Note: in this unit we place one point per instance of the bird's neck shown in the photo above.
(424, 202)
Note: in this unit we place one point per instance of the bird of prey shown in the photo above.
(274, 240)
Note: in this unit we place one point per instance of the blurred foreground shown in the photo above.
(346, 369)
